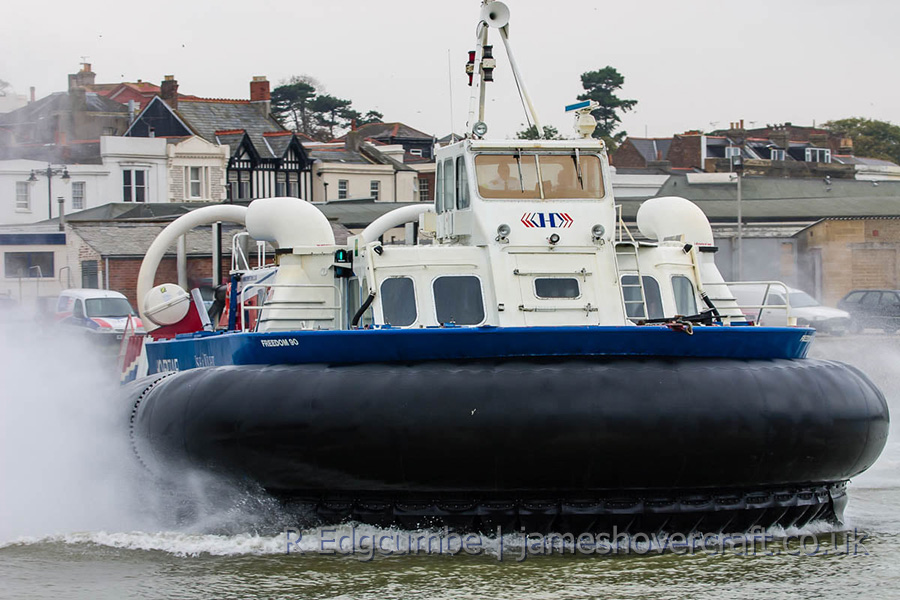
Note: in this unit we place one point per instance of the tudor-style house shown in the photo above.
(265, 159)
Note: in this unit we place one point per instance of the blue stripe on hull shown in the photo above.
(417, 345)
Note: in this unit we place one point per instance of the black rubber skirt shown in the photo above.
(489, 441)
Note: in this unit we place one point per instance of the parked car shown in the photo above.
(786, 301)
(103, 313)
(876, 309)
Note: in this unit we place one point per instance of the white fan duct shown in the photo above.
(674, 218)
(169, 236)
(304, 295)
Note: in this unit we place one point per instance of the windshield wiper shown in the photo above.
(519, 164)
(578, 167)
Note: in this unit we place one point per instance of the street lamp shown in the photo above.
(50, 172)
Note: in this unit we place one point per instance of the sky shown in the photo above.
(694, 64)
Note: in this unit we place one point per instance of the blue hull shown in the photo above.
(420, 345)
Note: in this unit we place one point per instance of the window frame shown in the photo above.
(343, 189)
(375, 189)
(434, 303)
(82, 187)
(675, 294)
(422, 183)
(534, 287)
(23, 190)
(819, 153)
(130, 188)
(27, 273)
(415, 299)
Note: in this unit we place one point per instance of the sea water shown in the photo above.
(80, 519)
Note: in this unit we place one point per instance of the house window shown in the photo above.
(89, 274)
(415, 151)
(374, 189)
(819, 155)
(243, 185)
(77, 195)
(293, 187)
(280, 184)
(343, 189)
(776, 154)
(28, 264)
(232, 185)
(423, 189)
(134, 185)
(732, 151)
(23, 196)
(194, 177)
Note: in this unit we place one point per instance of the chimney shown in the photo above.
(82, 78)
(168, 91)
(31, 96)
(260, 96)
(846, 146)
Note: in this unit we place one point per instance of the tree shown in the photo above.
(601, 86)
(351, 116)
(291, 104)
(871, 138)
(328, 110)
(530, 133)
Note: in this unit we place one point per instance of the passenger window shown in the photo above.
(61, 305)
(398, 301)
(652, 297)
(77, 310)
(871, 299)
(556, 287)
(462, 184)
(457, 299)
(449, 184)
(775, 300)
(854, 297)
(889, 299)
(685, 302)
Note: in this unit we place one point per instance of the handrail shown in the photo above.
(620, 222)
(243, 296)
(786, 307)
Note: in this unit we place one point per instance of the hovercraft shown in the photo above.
(528, 362)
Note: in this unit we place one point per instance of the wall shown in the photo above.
(855, 254)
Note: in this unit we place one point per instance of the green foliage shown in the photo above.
(601, 86)
(329, 110)
(299, 105)
(871, 138)
(530, 133)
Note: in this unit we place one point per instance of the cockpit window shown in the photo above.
(527, 176)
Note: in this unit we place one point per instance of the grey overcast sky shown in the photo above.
(695, 64)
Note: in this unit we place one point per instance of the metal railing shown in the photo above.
(238, 255)
(290, 305)
(766, 287)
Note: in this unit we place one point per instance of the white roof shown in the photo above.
(84, 293)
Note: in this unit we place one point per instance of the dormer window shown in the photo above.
(732, 151)
(776, 154)
(818, 155)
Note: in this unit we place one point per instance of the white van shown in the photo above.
(102, 312)
(787, 304)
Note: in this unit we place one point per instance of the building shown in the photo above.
(414, 142)
(90, 173)
(265, 159)
(365, 169)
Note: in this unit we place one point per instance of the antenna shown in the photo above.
(450, 77)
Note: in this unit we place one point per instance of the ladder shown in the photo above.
(628, 266)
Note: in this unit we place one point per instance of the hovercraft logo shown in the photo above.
(547, 220)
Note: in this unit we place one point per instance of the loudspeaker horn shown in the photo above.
(495, 14)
